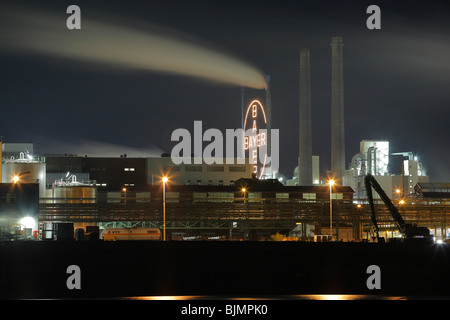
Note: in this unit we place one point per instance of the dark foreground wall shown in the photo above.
(124, 269)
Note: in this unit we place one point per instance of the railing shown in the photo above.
(258, 212)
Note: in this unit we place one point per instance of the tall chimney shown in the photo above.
(337, 109)
(269, 171)
(305, 139)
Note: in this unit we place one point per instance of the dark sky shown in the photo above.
(396, 79)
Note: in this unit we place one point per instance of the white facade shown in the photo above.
(197, 174)
(374, 159)
(25, 170)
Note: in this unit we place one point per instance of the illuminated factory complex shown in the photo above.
(231, 200)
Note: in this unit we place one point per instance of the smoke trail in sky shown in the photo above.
(91, 148)
(122, 46)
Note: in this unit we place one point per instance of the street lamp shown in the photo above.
(331, 183)
(243, 192)
(164, 180)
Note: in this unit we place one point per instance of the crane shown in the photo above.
(408, 231)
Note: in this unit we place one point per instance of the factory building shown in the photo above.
(224, 174)
(374, 158)
(19, 210)
(19, 165)
(114, 174)
(107, 173)
(432, 190)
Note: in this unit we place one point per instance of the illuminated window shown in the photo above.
(282, 196)
(337, 196)
(172, 196)
(254, 196)
(309, 196)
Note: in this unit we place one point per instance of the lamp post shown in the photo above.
(164, 180)
(243, 191)
(331, 183)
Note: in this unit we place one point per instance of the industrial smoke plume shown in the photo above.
(91, 148)
(121, 46)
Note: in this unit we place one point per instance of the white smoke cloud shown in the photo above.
(91, 148)
(121, 46)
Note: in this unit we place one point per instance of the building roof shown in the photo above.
(255, 185)
(434, 186)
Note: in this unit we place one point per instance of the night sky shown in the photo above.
(396, 80)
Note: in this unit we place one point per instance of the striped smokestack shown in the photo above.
(337, 109)
(305, 140)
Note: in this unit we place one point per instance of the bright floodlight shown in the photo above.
(331, 182)
(28, 222)
(164, 179)
(15, 179)
(243, 189)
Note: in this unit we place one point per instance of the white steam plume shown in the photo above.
(121, 46)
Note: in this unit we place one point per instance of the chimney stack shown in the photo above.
(305, 139)
(337, 109)
(269, 171)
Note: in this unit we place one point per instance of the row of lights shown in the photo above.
(166, 179)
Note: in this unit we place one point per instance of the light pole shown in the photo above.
(164, 180)
(331, 183)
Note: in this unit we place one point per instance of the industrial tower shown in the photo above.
(337, 109)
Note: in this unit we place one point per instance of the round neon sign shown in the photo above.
(255, 137)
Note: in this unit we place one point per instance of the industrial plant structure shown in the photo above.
(375, 158)
(305, 173)
(224, 199)
(337, 109)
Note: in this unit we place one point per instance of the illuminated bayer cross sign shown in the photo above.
(256, 138)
